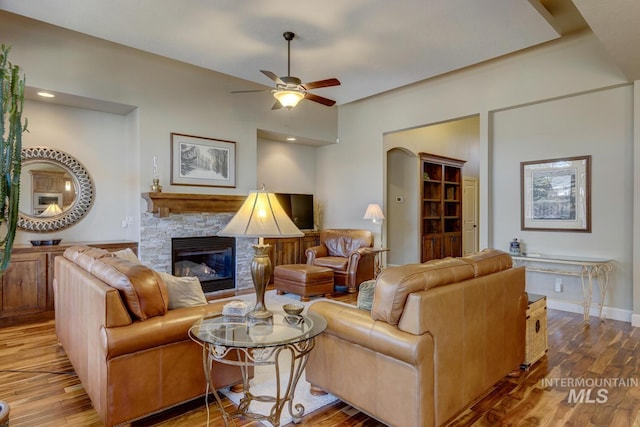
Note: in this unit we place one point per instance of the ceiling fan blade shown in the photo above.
(319, 99)
(276, 106)
(250, 91)
(272, 76)
(321, 83)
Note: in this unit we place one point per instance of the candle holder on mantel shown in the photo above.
(156, 187)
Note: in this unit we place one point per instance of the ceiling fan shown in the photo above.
(290, 90)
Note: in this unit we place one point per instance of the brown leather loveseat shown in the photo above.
(345, 251)
(131, 353)
(439, 335)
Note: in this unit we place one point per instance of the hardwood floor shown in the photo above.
(37, 380)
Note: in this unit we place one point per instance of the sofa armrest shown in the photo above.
(316, 252)
(357, 327)
(359, 255)
(360, 266)
(362, 252)
(154, 332)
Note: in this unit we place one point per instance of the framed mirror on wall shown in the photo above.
(56, 191)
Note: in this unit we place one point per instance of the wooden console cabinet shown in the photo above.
(441, 209)
(26, 288)
(291, 250)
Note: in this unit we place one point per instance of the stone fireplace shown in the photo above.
(156, 234)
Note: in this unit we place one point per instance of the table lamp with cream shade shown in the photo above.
(261, 216)
(52, 210)
(374, 213)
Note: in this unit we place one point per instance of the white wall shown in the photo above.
(286, 168)
(97, 140)
(568, 67)
(459, 139)
(568, 127)
(636, 206)
(402, 208)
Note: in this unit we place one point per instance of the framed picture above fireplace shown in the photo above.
(200, 161)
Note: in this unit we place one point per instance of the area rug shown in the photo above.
(264, 383)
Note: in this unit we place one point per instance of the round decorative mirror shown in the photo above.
(56, 191)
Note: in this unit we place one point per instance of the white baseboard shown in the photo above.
(635, 320)
(607, 312)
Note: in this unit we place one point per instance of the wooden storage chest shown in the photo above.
(536, 344)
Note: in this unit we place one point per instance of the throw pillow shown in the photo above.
(183, 291)
(127, 254)
(142, 289)
(365, 294)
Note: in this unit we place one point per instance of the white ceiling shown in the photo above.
(616, 23)
(371, 46)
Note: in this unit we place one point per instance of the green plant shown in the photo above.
(11, 129)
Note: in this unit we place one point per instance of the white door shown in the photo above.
(470, 231)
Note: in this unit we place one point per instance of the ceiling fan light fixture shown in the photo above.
(288, 98)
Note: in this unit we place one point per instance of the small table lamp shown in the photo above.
(374, 213)
(261, 216)
(52, 210)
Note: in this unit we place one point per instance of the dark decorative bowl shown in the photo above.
(45, 242)
(293, 309)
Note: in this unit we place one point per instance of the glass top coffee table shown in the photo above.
(243, 342)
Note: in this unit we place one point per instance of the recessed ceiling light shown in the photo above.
(46, 95)
(291, 139)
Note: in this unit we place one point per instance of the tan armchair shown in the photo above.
(347, 253)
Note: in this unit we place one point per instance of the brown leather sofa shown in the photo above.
(131, 353)
(345, 252)
(439, 335)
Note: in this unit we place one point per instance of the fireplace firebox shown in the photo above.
(211, 259)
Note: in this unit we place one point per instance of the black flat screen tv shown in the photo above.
(299, 207)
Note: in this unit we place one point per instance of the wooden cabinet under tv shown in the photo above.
(441, 206)
(26, 287)
(291, 250)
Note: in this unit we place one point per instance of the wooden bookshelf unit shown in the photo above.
(441, 206)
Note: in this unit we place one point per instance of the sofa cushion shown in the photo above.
(84, 261)
(183, 291)
(488, 261)
(395, 283)
(341, 242)
(127, 254)
(71, 253)
(142, 289)
(84, 256)
(332, 262)
(97, 252)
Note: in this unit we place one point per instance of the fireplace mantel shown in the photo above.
(161, 204)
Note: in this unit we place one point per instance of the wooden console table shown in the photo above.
(589, 269)
(26, 288)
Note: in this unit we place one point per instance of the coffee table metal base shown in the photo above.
(247, 357)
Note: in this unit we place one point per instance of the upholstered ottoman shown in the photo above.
(303, 279)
